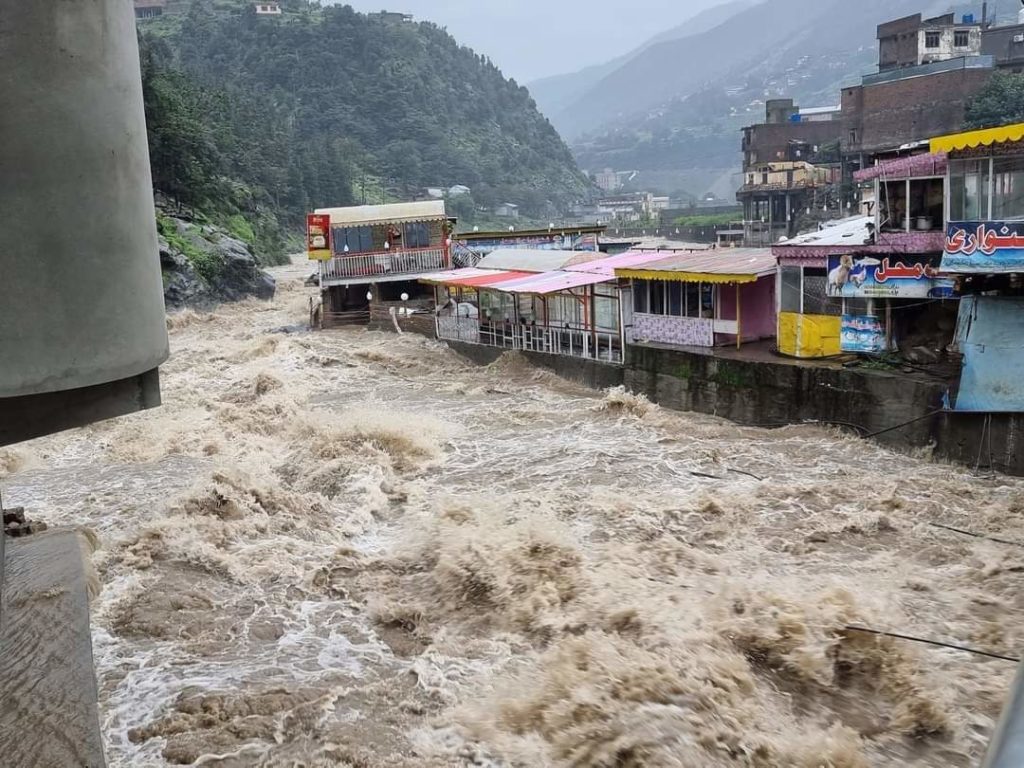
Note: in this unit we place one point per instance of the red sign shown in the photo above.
(318, 236)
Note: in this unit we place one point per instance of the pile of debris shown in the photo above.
(15, 524)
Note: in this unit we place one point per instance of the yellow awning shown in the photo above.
(683, 277)
(983, 138)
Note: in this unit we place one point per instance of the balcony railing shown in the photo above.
(371, 266)
(602, 345)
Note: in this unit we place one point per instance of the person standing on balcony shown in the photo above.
(394, 237)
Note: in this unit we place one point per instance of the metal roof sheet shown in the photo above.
(848, 232)
(905, 168)
(472, 277)
(719, 265)
(371, 214)
(534, 259)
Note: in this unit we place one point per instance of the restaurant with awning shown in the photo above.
(572, 309)
(984, 252)
(701, 299)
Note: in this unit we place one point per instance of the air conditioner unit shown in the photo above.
(1018, 38)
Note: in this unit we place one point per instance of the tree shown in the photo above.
(1000, 102)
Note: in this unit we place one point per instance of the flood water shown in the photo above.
(353, 548)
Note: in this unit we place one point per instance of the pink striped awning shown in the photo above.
(578, 275)
(917, 166)
(472, 277)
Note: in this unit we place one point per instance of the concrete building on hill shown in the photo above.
(913, 40)
(799, 164)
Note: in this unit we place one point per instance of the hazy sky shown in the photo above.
(529, 39)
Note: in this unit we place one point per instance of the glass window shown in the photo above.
(675, 299)
(417, 235)
(814, 294)
(693, 299)
(358, 240)
(893, 205)
(707, 300)
(961, 38)
(968, 190)
(657, 297)
(791, 288)
(640, 303)
(1008, 188)
(931, 39)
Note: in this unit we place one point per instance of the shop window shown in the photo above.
(357, 239)
(657, 297)
(692, 294)
(641, 304)
(675, 299)
(791, 287)
(815, 301)
(916, 204)
(968, 190)
(1008, 188)
(417, 235)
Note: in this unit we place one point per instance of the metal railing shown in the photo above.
(571, 342)
(383, 263)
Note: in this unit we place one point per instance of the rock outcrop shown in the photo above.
(204, 265)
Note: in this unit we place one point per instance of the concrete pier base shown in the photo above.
(48, 696)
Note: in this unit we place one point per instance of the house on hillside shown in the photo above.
(267, 9)
(913, 40)
(150, 9)
(393, 16)
(375, 255)
(507, 210)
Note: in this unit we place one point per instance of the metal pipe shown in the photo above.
(1006, 750)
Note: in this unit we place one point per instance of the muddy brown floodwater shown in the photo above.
(354, 548)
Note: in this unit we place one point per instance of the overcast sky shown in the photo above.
(530, 39)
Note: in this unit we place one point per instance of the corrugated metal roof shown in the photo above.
(609, 264)
(553, 282)
(472, 277)
(905, 167)
(534, 259)
(371, 214)
(850, 232)
(720, 265)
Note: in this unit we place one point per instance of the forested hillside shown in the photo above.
(264, 118)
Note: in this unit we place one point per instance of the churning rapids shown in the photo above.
(353, 548)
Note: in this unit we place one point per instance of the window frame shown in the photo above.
(930, 35)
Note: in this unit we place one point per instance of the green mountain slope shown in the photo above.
(326, 106)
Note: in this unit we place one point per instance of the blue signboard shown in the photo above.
(888, 277)
(862, 333)
(984, 246)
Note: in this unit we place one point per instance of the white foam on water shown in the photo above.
(357, 548)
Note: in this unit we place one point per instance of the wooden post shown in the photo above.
(739, 326)
(593, 319)
(888, 325)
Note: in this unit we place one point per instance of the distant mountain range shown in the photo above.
(554, 94)
(672, 109)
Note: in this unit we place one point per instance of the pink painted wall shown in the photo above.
(758, 319)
